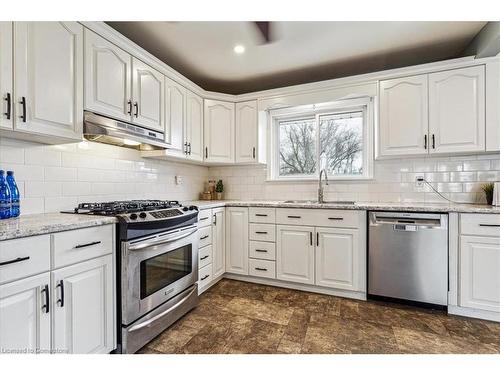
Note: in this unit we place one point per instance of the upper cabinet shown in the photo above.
(403, 116)
(194, 126)
(175, 113)
(437, 113)
(457, 110)
(219, 131)
(48, 76)
(246, 132)
(6, 115)
(108, 80)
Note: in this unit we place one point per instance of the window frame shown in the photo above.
(316, 110)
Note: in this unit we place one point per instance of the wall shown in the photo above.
(458, 178)
(58, 177)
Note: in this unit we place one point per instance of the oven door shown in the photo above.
(157, 268)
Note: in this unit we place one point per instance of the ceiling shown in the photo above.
(302, 52)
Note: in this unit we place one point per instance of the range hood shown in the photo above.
(103, 129)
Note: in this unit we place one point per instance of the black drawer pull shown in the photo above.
(261, 251)
(204, 277)
(260, 269)
(261, 215)
(260, 232)
(17, 260)
(335, 218)
(87, 244)
(294, 217)
(61, 300)
(203, 218)
(205, 257)
(202, 238)
(45, 290)
(23, 104)
(8, 100)
(489, 225)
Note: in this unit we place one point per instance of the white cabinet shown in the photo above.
(194, 126)
(246, 132)
(218, 241)
(457, 110)
(295, 254)
(337, 258)
(237, 240)
(82, 306)
(403, 115)
(25, 315)
(6, 114)
(175, 114)
(48, 77)
(108, 80)
(218, 132)
(480, 273)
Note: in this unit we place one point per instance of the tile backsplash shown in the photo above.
(457, 178)
(58, 177)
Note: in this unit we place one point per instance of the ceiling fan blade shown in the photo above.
(265, 30)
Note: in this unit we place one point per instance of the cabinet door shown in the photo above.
(337, 258)
(295, 254)
(480, 273)
(83, 307)
(237, 240)
(24, 317)
(175, 110)
(246, 132)
(194, 126)
(403, 124)
(219, 131)
(6, 114)
(108, 78)
(457, 110)
(219, 241)
(49, 78)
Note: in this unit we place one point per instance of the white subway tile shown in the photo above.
(75, 188)
(11, 154)
(42, 189)
(477, 165)
(488, 176)
(25, 172)
(463, 176)
(56, 204)
(32, 206)
(41, 155)
(60, 174)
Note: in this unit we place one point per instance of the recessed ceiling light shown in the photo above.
(239, 49)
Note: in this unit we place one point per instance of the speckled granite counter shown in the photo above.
(32, 225)
(412, 207)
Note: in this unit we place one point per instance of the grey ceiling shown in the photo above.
(302, 52)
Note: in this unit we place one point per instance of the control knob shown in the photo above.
(133, 216)
(142, 215)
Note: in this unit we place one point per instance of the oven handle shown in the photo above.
(144, 245)
(159, 316)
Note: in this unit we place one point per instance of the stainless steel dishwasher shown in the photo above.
(408, 256)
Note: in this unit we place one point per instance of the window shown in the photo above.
(334, 137)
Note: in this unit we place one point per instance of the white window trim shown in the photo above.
(315, 110)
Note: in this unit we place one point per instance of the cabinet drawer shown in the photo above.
(318, 217)
(205, 236)
(262, 232)
(24, 257)
(205, 256)
(262, 268)
(480, 224)
(262, 250)
(78, 245)
(204, 276)
(262, 215)
(204, 218)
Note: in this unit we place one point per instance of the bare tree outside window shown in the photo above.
(297, 147)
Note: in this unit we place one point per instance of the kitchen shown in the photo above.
(355, 214)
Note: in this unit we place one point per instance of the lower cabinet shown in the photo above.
(237, 240)
(25, 315)
(295, 254)
(82, 306)
(218, 241)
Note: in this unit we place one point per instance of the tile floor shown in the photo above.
(239, 317)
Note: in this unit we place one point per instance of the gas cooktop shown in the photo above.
(123, 207)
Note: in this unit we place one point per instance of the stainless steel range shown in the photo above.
(157, 266)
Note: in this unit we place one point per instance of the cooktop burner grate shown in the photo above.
(123, 207)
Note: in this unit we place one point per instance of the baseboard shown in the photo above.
(474, 313)
(306, 288)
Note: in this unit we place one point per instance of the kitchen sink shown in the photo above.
(316, 202)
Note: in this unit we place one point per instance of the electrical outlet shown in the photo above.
(178, 180)
(421, 182)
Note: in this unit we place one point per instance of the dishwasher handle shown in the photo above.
(409, 223)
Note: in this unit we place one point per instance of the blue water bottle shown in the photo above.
(4, 197)
(15, 209)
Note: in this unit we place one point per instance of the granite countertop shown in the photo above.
(36, 224)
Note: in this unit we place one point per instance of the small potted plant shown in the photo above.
(219, 188)
(488, 191)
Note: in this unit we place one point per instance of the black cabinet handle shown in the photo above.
(203, 218)
(425, 142)
(61, 300)
(45, 290)
(136, 106)
(206, 152)
(489, 225)
(204, 257)
(17, 260)
(317, 239)
(261, 251)
(189, 146)
(260, 232)
(129, 103)
(294, 217)
(433, 141)
(204, 277)
(261, 215)
(215, 219)
(185, 148)
(88, 244)
(260, 269)
(23, 104)
(8, 100)
(335, 218)
(253, 152)
(202, 238)
(311, 238)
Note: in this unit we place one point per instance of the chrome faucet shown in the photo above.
(320, 186)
